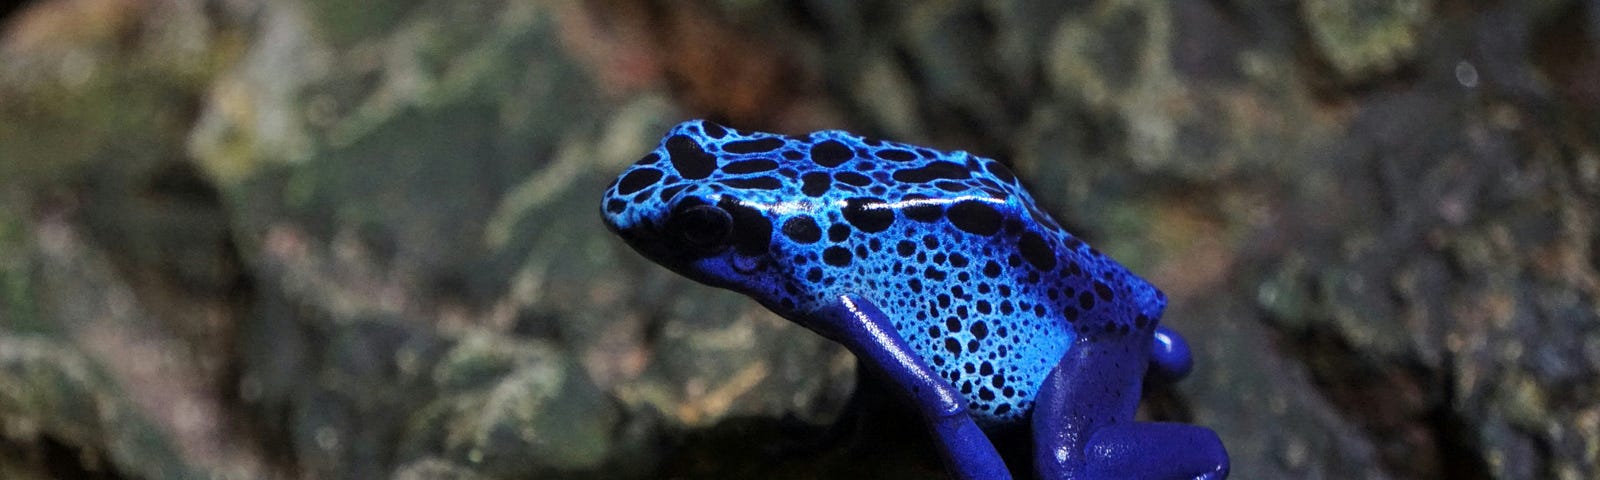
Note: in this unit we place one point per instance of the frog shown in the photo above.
(944, 278)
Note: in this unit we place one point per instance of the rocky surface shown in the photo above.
(334, 239)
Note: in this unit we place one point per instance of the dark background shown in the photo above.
(360, 239)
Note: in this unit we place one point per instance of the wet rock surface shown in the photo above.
(330, 239)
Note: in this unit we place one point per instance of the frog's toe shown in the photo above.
(1169, 355)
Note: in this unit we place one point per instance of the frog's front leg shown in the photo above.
(1083, 423)
(863, 329)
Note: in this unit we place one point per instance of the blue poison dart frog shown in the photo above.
(939, 272)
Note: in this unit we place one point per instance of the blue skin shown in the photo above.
(938, 271)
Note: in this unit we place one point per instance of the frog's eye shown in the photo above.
(701, 226)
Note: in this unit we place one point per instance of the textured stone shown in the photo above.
(1363, 39)
(362, 236)
(57, 405)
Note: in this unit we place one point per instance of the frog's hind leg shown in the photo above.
(1083, 423)
(863, 329)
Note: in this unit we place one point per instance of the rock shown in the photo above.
(363, 238)
(63, 417)
(508, 408)
(1363, 40)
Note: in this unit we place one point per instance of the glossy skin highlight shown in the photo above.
(937, 270)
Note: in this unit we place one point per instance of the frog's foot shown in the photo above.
(1155, 450)
(1083, 424)
(863, 329)
(1169, 355)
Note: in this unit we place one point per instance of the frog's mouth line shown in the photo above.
(723, 268)
(644, 238)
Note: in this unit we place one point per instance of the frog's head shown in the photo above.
(703, 212)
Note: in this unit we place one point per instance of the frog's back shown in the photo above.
(981, 283)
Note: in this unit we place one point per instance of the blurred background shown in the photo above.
(360, 239)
